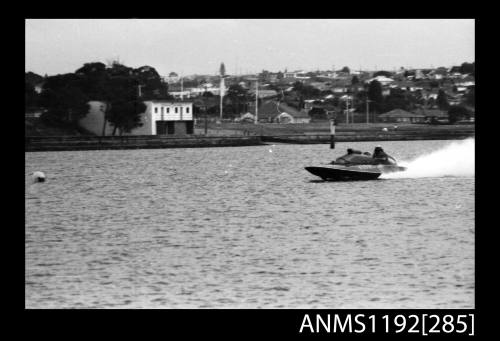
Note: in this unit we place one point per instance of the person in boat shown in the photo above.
(379, 153)
(352, 151)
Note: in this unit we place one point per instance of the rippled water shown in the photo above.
(243, 227)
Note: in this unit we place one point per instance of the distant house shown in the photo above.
(466, 81)
(272, 111)
(400, 116)
(264, 93)
(162, 117)
(381, 79)
(319, 85)
(339, 89)
(432, 114)
(296, 75)
(247, 118)
(33, 113)
(438, 73)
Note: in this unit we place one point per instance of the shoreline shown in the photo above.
(70, 143)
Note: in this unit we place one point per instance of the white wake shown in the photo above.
(456, 159)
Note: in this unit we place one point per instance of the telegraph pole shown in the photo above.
(221, 95)
(222, 72)
(256, 101)
(367, 110)
(182, 88)
(333, 123)
(347, 110)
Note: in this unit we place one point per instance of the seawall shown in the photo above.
(55, 143)
(357, 136)
(60, 143)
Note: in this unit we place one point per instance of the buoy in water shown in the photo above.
(38, 176)
(384, 129)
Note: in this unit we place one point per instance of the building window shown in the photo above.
(176, 110)
(156, 110)
(168, 110)
(187, 110)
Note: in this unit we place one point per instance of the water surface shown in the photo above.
(243, 227)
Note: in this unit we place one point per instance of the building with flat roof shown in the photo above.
(162, 117)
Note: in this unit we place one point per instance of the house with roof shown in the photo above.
(466, 81)
(247, 118)
(432, 114)
(381, 79)
(264, 93)
(401, 116)
(272, 111)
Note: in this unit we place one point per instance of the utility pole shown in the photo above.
(206, 123)
(221, 95)
(222, 71)
(182, 88)
(256, 101)
(367, 110)
(352, 111)
(347, 110)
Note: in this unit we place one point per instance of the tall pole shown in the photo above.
(352, 111)
(206, 123)
(367, 110)
(347, 110)
(221, 94)
(332, 133)
(182, 88)
(256, 101)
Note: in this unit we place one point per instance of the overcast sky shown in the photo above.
(198, 46)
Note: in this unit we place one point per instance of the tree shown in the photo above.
(90, 69)
(345, 69)
(442, 100)
(467, 68)
(470, 97)
(354, 80)
(64, 99)
(119, 93)
(375, 94)
(457, 113)
(30, 96)
(318, 114)
(306, 91)
(237, 96)
(152, 86)
(396, 100)
(126, 115)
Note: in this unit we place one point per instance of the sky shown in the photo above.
(198, 46)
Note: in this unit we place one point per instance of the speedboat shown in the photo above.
(357, 166)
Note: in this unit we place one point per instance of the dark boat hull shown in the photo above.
(343, 173)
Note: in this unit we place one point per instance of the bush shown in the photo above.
(457, 113)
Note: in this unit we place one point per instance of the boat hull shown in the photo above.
(344, 173)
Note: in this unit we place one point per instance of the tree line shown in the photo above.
(122, 89)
